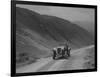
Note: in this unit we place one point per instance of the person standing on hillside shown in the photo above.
(67, 50)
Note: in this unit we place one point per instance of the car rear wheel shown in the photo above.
(54, 55)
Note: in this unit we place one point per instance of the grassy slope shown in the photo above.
(37, 34)
(89, 58)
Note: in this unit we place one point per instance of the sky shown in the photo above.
(68, 13)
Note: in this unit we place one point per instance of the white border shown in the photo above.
(5, 37)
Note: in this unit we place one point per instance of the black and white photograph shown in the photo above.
(54, 38)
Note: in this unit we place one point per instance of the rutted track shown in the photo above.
(48, 64)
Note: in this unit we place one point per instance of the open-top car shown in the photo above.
(61, 52)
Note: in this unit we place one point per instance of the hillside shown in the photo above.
(89, 26)
(37, 34)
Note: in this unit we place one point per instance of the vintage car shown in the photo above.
(61, 52)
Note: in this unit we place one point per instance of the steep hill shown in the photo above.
(89, 26)
(37, 34)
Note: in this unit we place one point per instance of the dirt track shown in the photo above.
(76, 61)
